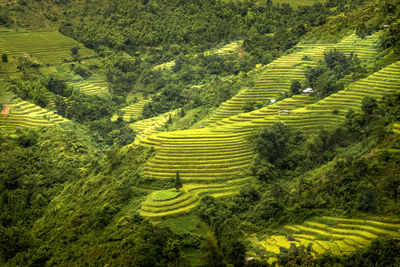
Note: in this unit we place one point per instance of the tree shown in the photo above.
(4, 58)
(57, 86)
(249, 106)
(272, 143)
(74, 51)
(368, 104)
(61, 106)
(295, 87)
(367, 199)
(315, 147)
(178, 182)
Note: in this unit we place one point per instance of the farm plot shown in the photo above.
(208, 163)
(365, 49)
(94, 85)
(25, 114)
(329, 111)
(277, 79)
(49, 47)
(147, 127)
(341, 236)
(218, 155)
(134, 111)
(212, 160)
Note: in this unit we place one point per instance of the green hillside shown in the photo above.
(199, 133)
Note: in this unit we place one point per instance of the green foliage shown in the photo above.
(324, 78)
(272, 144)
(223, 244)
(362, 31)
(34, 91)
(295, 87)
(74, 51)
(112, 133)
(391, 38)
(34, 168)
(295, 256)
(344, 173)
(81, 70)
(169, 99)
(178, 182)
(249, 106)
(57, 86)
(368, 104)
(367, 199)
(378, 253)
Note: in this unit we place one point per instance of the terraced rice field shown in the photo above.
(280, 73)
(49, 47)
(365, 49)
(339, 235)
(212, 160)
(147, 127)
(134, 111)
(321, 113)
(273, 110)
(215, 157)
(208, 163)
(94, 85)
(25, 114)
(276, 79)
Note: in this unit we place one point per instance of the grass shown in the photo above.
(165, 195)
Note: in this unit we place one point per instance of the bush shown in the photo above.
(368, 104)
(295, 87)
(4, 58)
(367, 200)
(249, 106)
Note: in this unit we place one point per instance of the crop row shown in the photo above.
(25, 114)
(49, 47)
(339, 235)
(134, 111)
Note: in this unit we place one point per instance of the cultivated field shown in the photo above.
(213, 160)
(94, 85)
(49, 47)
(25, 114)
(341, 236)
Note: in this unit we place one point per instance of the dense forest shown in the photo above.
(137, 133)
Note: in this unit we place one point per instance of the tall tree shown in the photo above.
(178, 182)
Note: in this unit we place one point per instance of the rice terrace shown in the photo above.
(200, 133)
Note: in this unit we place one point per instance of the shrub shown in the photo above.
(368, 104)
(249, 106)
(4, 58)
(295, 87)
